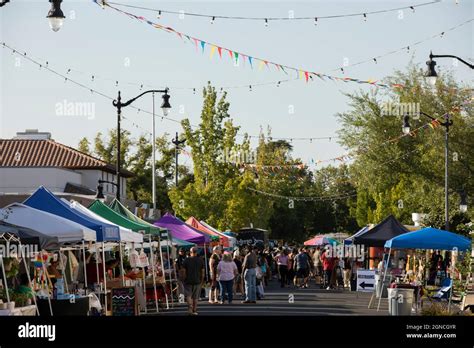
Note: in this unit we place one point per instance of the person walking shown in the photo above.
(328, 267)
(282, 263)
(193, 275)
(238, 281)
(226, 272)
(291, 266)
(302, 268)
(347, 272)
(213, 263)
(318, 266)
(250, 276)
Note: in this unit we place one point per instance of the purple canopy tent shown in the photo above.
(179, 229)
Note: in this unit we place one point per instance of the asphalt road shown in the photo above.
(312, 301)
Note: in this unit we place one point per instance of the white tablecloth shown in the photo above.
(27, 310)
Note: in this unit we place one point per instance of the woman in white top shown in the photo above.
(226, 272)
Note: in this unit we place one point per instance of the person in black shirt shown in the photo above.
(193, 275)
(238, 279)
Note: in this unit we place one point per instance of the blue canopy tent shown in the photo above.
(426, 238)
(429, 238)
(350, 240)
(44, 200)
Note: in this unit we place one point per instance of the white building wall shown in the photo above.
(27, 180)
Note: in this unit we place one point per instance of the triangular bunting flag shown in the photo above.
(202, 46)
(219, 50)
(250, 61)
(213, 49)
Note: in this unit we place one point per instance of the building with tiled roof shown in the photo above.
(32, 159)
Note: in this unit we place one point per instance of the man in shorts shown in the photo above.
(193, 274)
(302, 268)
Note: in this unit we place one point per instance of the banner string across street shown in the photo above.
(236, 56)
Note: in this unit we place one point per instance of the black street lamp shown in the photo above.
(100, 188)
(165, 106)
(446, 124)
(55, 15)
(431, 74)
(177, 143)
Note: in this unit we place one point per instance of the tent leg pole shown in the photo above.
(384, 275)
(152, 259)
(84, 262)
(171, 281)
(27, 269)
(164, 275)
(144, 289)
(121, 263)
(4, 277)
(97, 255)
(205, 261)
(105, 278)
(63, 266)
(46, 276)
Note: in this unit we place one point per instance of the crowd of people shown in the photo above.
(247, 270)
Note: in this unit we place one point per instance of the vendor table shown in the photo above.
(64, 307)
(20, 311)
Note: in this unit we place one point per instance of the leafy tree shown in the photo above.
(407, 175)
(84, 146)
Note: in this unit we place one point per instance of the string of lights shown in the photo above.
(214, 17)
(47, 67)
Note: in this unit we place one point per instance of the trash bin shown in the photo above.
(400, 301)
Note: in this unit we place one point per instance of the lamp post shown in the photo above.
(165, 106)
(177, 143)
(100, 188)
(463, 201)
(446, 124)
(431, 74)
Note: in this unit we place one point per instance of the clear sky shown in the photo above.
(108, 44)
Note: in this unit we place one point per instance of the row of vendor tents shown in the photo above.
(391, 234)
(52, 221)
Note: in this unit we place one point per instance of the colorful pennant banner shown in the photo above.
(300, 73)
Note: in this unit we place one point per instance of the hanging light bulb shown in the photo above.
(55, 15)
(159, 14)
(212, 20)
(412, 8)
(365, 17)
(266, 22)
(315, 21)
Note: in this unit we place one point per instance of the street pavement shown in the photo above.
(312, 301)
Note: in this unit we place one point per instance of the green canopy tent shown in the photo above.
(130, 221)
(163, 233)
(103, 210)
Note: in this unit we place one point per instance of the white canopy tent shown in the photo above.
(126, 235)
(65, 230)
